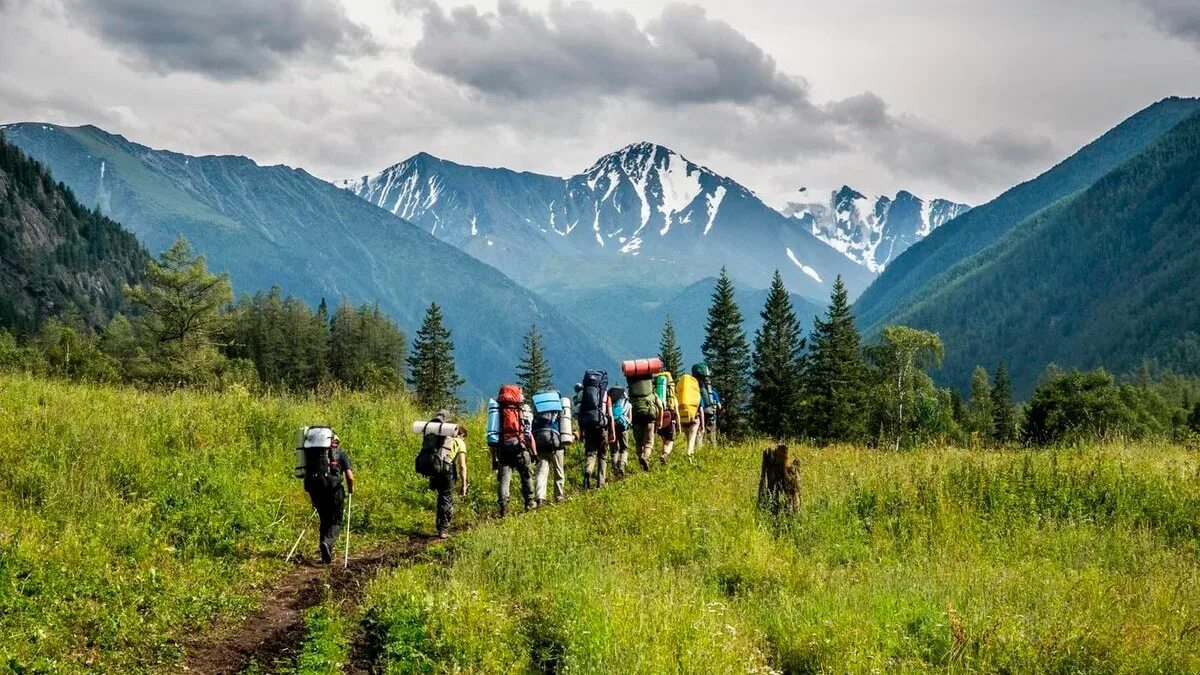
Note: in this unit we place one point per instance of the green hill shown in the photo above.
(275, 225)
(54, 252)
(920, 266)
(1106, 278)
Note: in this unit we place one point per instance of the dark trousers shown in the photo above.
(522, 463)
(329, 504)
(595, 452)
(444, 486)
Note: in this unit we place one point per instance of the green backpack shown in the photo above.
(643, 401)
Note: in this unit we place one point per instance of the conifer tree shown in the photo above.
(778, 363)
(533, 373)
(835, 380)
(980, 408)
(669, 351)
(1004, 414)
(728, 355)
(432, 375)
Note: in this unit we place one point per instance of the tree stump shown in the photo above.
(779, 482)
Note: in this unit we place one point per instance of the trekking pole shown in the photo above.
(303, 530)
(349, 506)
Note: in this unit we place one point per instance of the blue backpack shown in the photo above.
(622, 412)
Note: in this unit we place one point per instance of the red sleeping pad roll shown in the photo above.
(642, 367)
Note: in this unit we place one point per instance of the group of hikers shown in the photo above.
(528, 434)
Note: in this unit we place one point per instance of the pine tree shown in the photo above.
(669, 351)
(533, 373)
(1004, 414)
(980, 407)
(432, 375)
(728, 355)
(835, 381)
(778, 363)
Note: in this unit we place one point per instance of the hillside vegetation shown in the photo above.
(920, 266)
(1080, 560)
(56, 255)
(129, 521)
(1121, 288)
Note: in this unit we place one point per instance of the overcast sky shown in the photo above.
(950, 98)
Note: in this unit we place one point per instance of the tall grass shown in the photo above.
(129, 521)
(929, 560)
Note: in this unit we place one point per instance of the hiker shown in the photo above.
(443, 458)
(621, 423)
(324, 466)
(710, 401)
(691, 412)
(515, 450)
(595, 426)
(645, 408)
(576, 400)
(551, 434)
(668, 428)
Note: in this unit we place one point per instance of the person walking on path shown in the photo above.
(669, 423)
(621, 423)
(328, 478)
(443, 482)
(516, 450)
(596, 427)
(548, 421)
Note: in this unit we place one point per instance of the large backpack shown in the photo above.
(622, 415)
(436, 457)
(593, 409)
(512, 426)
(318, 469)
(687, 392)
(547, 414)
(644, 403)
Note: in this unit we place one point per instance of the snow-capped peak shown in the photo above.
(872, 231)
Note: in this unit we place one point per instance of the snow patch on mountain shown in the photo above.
(804, 268)
(872, 231)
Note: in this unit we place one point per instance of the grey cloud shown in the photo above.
(681, 56)
(223, 39)
(1178, 18)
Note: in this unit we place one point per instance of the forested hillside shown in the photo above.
(970, 233)
(1107, 278)
(279, 226)
(55, 253)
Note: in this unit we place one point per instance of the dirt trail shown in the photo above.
(276, 630)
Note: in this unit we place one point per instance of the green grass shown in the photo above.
(1081, 561)
(130, 521)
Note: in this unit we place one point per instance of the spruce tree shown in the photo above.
(1004, 414)
(533, 373)
(432, 375)
(669, 351)
(835, 380)
(778, 362)
(728, 355)
(980, 407)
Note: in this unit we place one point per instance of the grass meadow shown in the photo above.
(131, 522)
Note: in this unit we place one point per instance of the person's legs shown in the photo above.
(621, 453)
(691, 432)
(543, 474)
(445, 503)
(524, 469)
(560, 475)
(330, 513)
(592, 440)
(668, 437)
(643, 435)
(503, 477)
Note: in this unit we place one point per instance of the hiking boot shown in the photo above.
(443, 534)
(326, 554)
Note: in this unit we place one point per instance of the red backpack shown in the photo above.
(512, 426)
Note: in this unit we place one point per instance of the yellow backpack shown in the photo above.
(687, 392)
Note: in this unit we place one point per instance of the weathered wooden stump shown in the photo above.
(779, 482)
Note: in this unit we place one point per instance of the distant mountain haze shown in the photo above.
(275, 225)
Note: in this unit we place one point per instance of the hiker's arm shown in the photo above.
(350, 481)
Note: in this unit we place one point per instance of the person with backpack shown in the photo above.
(324, 467)
(691, 412)
(668, 427)
(443, 459)
(595, 426)
(515, 450)
(710, 401)
(621, 423)
(645, 414)
(550, 437)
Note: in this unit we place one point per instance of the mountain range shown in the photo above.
(660, 219)
(872, 232)
(275, 225)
